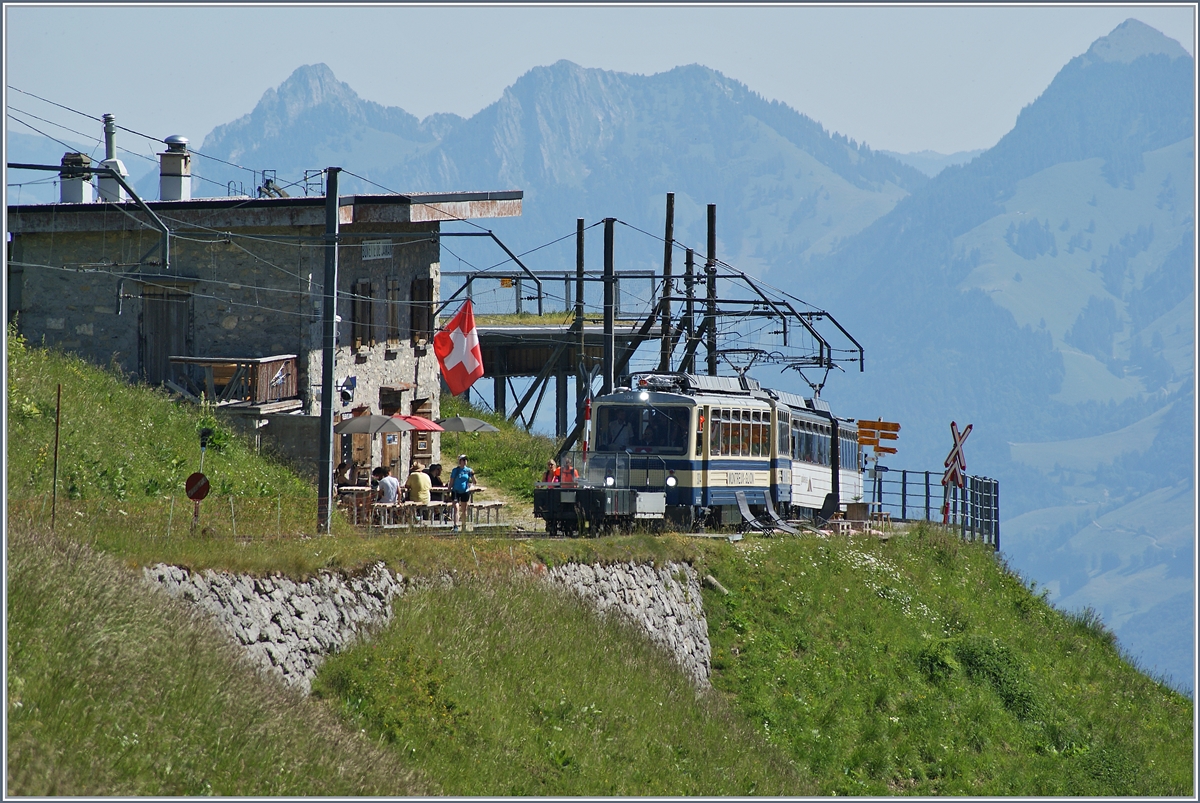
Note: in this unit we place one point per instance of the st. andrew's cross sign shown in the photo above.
(956, 462)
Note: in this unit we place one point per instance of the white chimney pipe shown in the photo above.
(175, 170)
(110, 190)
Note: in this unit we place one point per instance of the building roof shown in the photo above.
(265, 212)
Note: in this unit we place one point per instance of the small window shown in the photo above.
(394, 301)
(376, 249)
(421, 309)
(360, 314)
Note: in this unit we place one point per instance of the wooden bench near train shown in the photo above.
(362, 510)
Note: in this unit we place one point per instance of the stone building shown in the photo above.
(234, 317)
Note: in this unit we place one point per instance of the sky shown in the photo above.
(900, 78)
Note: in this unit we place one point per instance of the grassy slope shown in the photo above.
(504, 688)
(114, 690)
(919, 666)
(923, 666)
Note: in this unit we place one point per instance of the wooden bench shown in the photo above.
(485, 508)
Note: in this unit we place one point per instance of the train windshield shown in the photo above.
(643, 429)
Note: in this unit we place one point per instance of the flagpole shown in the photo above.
(329, 345)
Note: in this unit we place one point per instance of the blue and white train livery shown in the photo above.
(682, 446)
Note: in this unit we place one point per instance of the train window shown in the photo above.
(745, 434)
(726, 444)
(700, 419)
(785, 433)
(656, 430)
(756, 437)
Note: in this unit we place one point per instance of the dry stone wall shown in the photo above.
(663, 601)
(287, 627)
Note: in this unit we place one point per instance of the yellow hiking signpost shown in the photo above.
(870, 433)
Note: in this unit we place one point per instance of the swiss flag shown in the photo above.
(458, 352)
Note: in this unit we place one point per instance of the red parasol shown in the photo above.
(419, 423)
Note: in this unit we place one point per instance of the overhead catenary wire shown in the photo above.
(128, 130)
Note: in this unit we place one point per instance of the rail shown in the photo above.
(907, 495)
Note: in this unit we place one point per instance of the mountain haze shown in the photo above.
(1044, 291)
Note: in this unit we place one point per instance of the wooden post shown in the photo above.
(57, 429)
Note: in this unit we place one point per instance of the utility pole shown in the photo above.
(688, 363)
(580, 391)
(664, 357)
(710, 268)
(328, 347)
(609, 313)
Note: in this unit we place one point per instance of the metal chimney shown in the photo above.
(175, 170)
(75, 185)
(110, 190)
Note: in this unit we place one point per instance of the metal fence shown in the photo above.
(920, 496)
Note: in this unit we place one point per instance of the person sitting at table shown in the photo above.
(435, 475)
(418, 485)
(341, 476)
(387, 489)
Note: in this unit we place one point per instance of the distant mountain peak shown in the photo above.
(1131, 40)
(308, 86)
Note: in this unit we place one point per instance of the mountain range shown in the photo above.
(1043, 289)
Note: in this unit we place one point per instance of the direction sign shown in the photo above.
(196, 486)
(870, 433)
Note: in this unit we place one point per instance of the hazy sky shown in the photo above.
(900, 78)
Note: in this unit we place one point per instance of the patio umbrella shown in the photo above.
(418, 423)
(462, 423)
(371, 425)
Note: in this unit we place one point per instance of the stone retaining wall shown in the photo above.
(665, 602)
(288, 627)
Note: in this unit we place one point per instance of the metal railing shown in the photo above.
(906, 495)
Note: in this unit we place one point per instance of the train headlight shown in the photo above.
(671, 480)
(609, 481)
(644, 396)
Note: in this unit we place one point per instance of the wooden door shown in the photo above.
(165, 331)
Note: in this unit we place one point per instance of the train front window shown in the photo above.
(643, 429)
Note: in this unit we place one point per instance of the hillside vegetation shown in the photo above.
(919, 665)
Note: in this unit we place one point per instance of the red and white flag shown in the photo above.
(458, 352)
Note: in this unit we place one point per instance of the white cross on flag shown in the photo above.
(458, 352)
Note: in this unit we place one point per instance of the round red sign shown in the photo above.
(196, 486)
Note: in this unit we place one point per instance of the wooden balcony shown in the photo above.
(267, 384)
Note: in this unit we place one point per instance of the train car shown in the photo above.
(678, 448)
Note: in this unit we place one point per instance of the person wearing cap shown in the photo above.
(462, 477)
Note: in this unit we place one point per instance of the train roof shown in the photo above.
(694, 385)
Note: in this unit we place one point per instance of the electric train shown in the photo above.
(675, 447)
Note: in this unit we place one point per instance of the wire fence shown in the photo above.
(905, 495)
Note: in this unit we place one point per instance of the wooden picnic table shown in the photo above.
(360, 499)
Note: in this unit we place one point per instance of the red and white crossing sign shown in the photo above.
(956, 462)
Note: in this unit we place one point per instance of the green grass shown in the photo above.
(115, 690)
(505, 687)
(924, 667)
(841, 666)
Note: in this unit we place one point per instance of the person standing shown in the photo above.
(567, 475)
(551, 474)
(462, 478)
